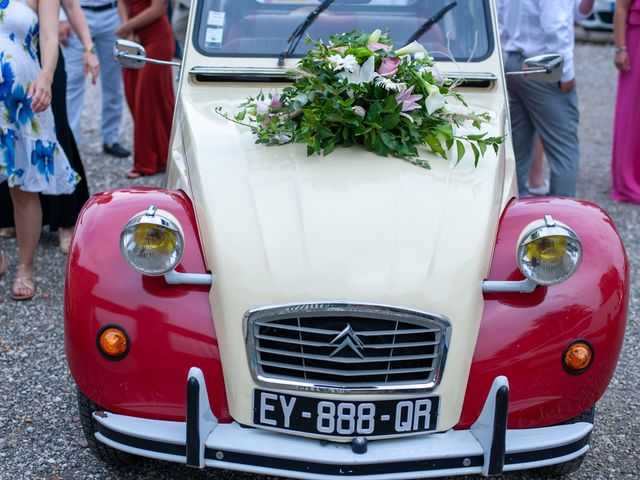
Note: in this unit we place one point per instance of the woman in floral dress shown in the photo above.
(30, 158)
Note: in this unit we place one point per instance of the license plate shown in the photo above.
(348, 419)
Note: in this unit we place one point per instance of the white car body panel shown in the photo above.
(279, 227)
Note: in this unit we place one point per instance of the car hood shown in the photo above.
(280, 227)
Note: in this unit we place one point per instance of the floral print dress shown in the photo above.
(29, 153)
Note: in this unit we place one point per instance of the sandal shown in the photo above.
(23, 283)
(7, 232)
(132, 175)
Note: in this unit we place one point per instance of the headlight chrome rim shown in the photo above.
(550, 230)
(159, 223)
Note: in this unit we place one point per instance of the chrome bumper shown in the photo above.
(488, 448)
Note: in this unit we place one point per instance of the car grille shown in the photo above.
(347, 347)
(606, 17)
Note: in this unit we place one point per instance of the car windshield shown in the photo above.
(260, 28)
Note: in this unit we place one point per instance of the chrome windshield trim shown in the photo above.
(285, 72)
(253, 316)
(235, 71)
(470, 76)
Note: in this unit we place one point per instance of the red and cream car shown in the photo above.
(348, 315)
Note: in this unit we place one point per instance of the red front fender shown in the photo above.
(523, 336)
(170, 327)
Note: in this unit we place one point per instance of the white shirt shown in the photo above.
(536, 27)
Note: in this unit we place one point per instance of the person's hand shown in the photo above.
(65, 32)
(568, 86)
(622, 61)
(132, 37)
(123, 31)
(91, 66)
(40, 93)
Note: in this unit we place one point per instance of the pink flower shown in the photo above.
(374, 47)
(407, 100)
(389, 66)
(276, 104)
(341, 49)
(437, 76)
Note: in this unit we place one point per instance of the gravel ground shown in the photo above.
(40, 435)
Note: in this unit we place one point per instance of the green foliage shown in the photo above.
(344, 96)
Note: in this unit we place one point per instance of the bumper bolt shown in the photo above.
(359, 445)
(219, 455)
(466, 462)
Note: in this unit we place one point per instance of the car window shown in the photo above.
(259, 28)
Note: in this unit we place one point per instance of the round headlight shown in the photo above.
(152, 242)
(548, 252)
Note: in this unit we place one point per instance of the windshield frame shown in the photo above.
(491, 43)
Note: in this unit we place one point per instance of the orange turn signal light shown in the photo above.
(113, 342)
(578, 356)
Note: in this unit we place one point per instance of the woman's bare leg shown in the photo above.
(3, 263)
(28, 219)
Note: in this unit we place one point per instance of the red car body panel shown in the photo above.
(169, 326)
(522, 336)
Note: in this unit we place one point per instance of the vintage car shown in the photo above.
(602, 16)
(341, 315)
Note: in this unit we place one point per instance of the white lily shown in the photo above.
(374, 37)
(413, 48)
(435, 100)
(361, 74)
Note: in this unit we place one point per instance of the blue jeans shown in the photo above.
(544, 109)
(102, 26)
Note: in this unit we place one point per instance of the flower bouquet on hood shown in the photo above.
(359, 90)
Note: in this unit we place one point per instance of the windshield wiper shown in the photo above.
(426, 26)
(296, 36)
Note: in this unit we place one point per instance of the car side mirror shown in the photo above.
(542, 68)
(129, 54)
(133, 55)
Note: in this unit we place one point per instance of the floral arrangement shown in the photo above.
(359, 90)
